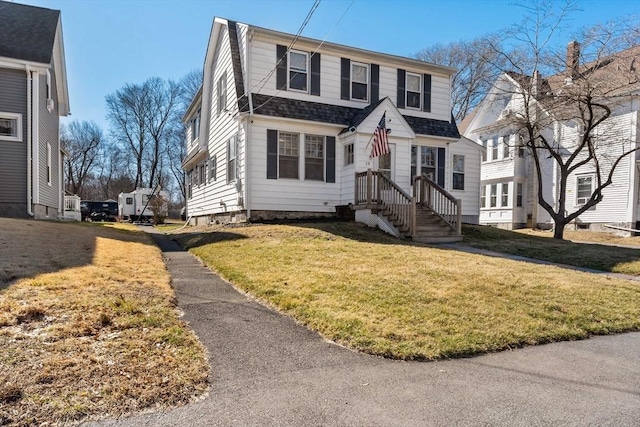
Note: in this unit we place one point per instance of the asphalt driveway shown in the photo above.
(269, 370)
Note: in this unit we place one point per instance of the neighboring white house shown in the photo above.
(509, 186)
(283, 123)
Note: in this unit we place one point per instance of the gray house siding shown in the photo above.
(48, 129)
(13, 154)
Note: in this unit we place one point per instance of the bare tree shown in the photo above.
(141, 116)
(83, 142)
(568, 121)
(478, 63)
(190, 85)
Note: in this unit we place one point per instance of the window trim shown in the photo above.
(420, 90)
(291, 69)
(506, 149)
(586, 199)
(221, 93)
(454, 172)
(18, 118)
(324, 157)
(504, 196)
(297, 177)
(493, 195)
(367, 83)
(213, 168)
(49, 170)
(349, 154)
(232, 168)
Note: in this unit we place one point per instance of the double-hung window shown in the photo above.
(506, 148)
(48, 163)
(504, 202)
(484, 152)
(222, 93)
(493, 195)
(298, 70)
(584, 189)
(414, 90)
(314, 157)
(213, 167)
(359, 81)
(458, 172)
(288, 154)
(10, 127)
(232, 159)
(519, 194)
(494, 149)
(483, 196)
(348, 154)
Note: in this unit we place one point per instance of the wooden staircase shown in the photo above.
(431, 215)
(431, 228)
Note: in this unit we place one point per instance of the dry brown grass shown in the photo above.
(88, 325)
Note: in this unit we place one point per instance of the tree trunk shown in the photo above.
(558, 229)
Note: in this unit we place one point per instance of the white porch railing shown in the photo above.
(72, 208)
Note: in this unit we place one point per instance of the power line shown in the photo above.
(263, 81)
(314, 52)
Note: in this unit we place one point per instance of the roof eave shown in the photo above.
(341, 49)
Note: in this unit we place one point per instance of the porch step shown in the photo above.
(433, 240)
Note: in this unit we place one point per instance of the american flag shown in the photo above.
(380, 139)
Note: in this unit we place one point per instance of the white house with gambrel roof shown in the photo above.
(283, 125)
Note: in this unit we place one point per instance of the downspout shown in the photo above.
(29, 191)
(35, 152)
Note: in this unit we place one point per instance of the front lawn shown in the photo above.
(89, 326)
(541, 245)
(376, 294)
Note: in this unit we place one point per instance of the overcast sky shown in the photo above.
(109, 43)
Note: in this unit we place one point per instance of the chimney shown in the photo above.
(573, 59)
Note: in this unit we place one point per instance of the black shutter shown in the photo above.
(375, 83)
(426, 93)
(401, 88)
(331, 159)
(345, 78)
(315, 74)
(281, 68)
(441, 162)
(272, 154)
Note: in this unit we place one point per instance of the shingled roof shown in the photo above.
(27, 32)
(346, 116)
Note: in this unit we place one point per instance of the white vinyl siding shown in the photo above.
(263, 61)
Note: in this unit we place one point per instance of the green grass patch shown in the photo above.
(541, 246)
(376, 294)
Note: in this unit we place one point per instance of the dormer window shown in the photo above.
(359, 81)
(298, 75)
(414, 90)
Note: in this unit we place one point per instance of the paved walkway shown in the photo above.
(268, 370)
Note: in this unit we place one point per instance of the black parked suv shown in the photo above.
(98, 211)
